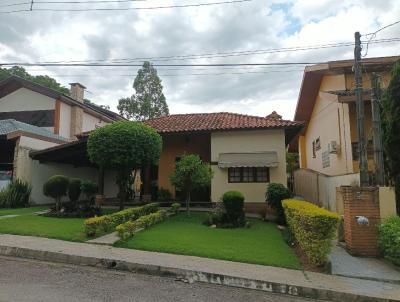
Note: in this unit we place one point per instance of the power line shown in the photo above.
(128, 8)
(158, 65)
(373, 35)
(222, 54)
(71, 2)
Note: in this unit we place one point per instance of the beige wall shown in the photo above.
(65, 120)
(329, 122)
(91, 122)
(22, 161)
(387, 202)
(24, 99)
(247, 141)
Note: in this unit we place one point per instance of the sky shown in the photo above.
(47, 36)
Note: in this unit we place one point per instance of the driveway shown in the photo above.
(30, 280)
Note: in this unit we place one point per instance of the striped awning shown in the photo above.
(256, 159)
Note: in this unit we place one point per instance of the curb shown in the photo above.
(190, 275)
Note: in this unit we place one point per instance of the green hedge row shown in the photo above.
(389, 239)
(106, 223)
(313, 227)
(129, 228)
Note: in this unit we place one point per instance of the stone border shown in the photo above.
(190, 275)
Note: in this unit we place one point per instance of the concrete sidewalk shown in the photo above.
(192, 269)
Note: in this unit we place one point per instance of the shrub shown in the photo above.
(274, 196)
(163, 195)
(175, 207)
(234, 203)
(89, 189)
(389, 239)
(56, 187)
(106, 223)
(74, 191)
(129, 228)
(313, 227)
(16, 194)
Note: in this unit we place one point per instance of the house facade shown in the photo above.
(328, 144)
(245, 153)
(33, 117)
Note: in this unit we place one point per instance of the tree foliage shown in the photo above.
(148, 101)
(191, 173)
(391, 130)
(56, 187)
(391, 123)
(124, 146)
(43, 80)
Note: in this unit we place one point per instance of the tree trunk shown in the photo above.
(187, 202)
(58, 204)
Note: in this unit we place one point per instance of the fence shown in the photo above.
(320, 189)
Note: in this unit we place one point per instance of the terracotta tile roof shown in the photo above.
(217, 121)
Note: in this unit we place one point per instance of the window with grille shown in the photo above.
(248, 174)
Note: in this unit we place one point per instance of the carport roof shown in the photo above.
(11, 128)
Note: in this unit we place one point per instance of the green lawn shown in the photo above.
(262, 243)
(71, 229)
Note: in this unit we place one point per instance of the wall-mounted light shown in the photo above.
(362, 220)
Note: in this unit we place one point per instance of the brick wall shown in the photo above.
(361, 239)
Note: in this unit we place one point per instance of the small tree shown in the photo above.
(74, 191)
(274, 196)
(190, 174)
(391, 129)
(56, 187)
(124, 146)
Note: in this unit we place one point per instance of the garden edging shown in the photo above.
(195, 269)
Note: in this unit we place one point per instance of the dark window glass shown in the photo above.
(248, 174)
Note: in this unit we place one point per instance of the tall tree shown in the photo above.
(391, 129)
(148, 101)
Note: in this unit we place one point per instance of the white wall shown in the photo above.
(65, 120)
(91, 122)
(26, 100)
(247, 141)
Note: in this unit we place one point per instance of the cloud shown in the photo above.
(70, 36)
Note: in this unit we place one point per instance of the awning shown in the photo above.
(257, 159)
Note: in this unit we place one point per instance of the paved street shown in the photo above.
(29, 280)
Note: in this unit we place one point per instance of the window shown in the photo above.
(313, 149)
(248, 174)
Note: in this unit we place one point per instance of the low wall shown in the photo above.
(320, 189)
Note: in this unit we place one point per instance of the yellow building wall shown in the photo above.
(387, 202)
(329, 122)
(247, 141)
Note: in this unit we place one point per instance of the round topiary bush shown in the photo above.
(274, 196)
(234, 204)
(74, 191)
(56, 187)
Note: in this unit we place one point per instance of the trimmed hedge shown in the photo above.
(129, 228)
(106, 223)
(313, 227)
(389, 239)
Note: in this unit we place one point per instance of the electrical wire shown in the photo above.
(126, 8)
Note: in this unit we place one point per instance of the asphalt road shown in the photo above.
(30, 280)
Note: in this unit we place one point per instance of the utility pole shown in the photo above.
(362, 150)
(377, 130)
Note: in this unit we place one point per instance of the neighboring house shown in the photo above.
(328, 144)
(33, 117)
(245, 152)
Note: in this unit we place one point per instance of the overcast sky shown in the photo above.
(254, 25)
